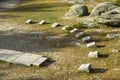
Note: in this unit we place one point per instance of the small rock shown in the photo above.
(65, 27)
(85, 67)
(73, 30)
(42, 22)
(55, 25)
(115, 51)
(28, 21)
(111, 35)
(94, 54)
(92, 44)
(80, 34)
(87, 38)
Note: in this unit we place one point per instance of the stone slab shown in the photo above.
(39, 61)
(27, 59)
(4, 54)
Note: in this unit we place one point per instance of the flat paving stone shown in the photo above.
(18, 57)
(4, 54)
(39, 61)
(27, 59)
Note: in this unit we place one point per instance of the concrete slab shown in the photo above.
(6, 53)
(39, 61)
(27, 59)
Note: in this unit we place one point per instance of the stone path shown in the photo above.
(17, 57)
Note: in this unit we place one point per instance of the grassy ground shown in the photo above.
(65, 60)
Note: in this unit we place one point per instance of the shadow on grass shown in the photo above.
(39, 7)
(31, 41)
(103, 55)
(47, 63)
(6, 16)
(98, 70)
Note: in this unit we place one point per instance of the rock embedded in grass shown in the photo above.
(115, 50)
(29, 21)
(55, 25)
(86, 39)
(85, 67)
(80, 34)
(112, 35)
(42, 22)
(94, 54)
(65, 27)
(92, 44)
(73, 30)
(77, 10)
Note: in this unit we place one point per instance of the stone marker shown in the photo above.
(73, 30)
(29, 21)
(65, 27)
(55, 25)
(112, 35)
(80, 34)
(39, 61)
(115, 51)
(42, 22)
(27, 59)
(86, 39)
(92, 44)
(85, 67)
(94, 54)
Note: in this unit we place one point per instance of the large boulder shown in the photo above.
(110, 18)
(77, 10)
(103, 7)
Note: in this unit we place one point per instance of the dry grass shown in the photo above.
(65, 60)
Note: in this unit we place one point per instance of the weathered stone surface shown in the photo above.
(110, 18)
(92, 44)
(77, 10)
(21, 57)
(42, 22)
(85, 67)
(27, 59)
(112, 35)
(94, 54)
(9, 55)
(86, 39)
(55, 25)
(79, 35)
(103, 7)
(28, 21)
(73, 30)
(39, 61)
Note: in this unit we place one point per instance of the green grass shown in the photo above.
(67, 58)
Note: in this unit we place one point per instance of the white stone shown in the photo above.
(42, 22)
(39, 61)
(73, 30)
(27, 59)
(65, 27)
(29, 21)
(94, 54)
(87, 38)
(92, 44)
(85, 67)
(115, 51)
(6, 54)
(80, 34)
(55, 25)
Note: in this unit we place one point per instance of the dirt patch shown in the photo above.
(6, 5)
